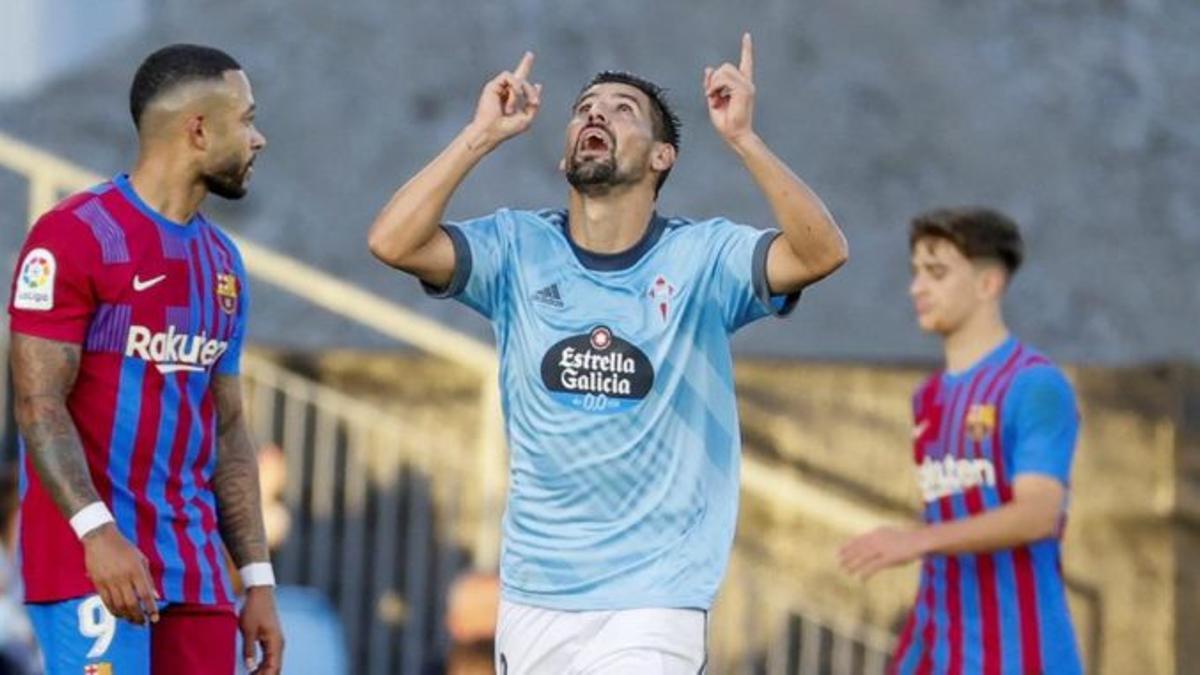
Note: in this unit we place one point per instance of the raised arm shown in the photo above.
(44, 373)
(240, 520)
(406, 233)
(812, 245)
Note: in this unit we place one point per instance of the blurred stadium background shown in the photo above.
(1077, 117)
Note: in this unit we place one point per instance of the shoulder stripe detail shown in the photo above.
(108, 233)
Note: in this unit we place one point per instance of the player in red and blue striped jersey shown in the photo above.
(128, 313)
(994, 439)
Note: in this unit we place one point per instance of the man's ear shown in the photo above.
(196, 134)
(993, 280)
(662, 157)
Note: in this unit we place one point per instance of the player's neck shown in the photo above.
(170, 190)
(976, 338)
(611, 223)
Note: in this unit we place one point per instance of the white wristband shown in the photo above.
(90, 517)
(257, 574)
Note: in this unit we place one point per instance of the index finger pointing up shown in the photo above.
(524, 66)
(747, 63)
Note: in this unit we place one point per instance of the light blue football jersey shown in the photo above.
(616, 381)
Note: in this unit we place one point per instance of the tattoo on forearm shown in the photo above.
(239, 505)
(43, 374)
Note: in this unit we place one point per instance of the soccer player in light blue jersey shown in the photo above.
(613, 325)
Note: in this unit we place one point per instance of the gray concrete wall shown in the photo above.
(1079, 118)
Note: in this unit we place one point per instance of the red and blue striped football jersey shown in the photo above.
(1002, 612)
(158, 308)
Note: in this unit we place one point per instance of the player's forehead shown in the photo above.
(614, 90)
(236, 85)
(937, 250)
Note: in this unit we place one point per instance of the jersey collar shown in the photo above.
(188, 229)
(611, 262)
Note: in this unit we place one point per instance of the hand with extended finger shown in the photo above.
(730, 93)
(508, 104)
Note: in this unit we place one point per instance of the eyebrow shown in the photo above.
(620, 94)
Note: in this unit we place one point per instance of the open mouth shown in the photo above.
(594, 139)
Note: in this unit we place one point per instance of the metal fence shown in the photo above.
(375, 524)
(800, 639)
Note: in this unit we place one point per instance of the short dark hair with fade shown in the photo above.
(172, 66)
(666, 122)
(979, 233)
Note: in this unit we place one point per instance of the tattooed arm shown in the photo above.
(240, 518)
(44, 373)
(239, 506)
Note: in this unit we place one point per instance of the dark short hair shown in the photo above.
(172, 66)
(978, 233)
(666, 122)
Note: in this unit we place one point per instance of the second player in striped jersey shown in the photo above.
(993, 442)
(128, 316)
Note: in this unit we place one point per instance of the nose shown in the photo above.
(914, 287)
(596, 115)
(258, 142)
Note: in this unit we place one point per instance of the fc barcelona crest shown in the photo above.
(227, 292)
(981, 421)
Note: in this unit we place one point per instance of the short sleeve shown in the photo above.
(479, 264)
(740, 266)
(230, 362)
(52, 295)
(1041, 409)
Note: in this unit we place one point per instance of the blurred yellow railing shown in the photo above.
(50, 178)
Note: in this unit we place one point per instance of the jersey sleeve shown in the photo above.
(1042, 411)
(52, 294)
(480, 260)
(741, 285)
(230, 362)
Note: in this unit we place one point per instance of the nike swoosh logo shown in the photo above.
(139, 285)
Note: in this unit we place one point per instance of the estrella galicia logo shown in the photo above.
(597, 372)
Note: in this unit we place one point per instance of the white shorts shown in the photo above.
(536, 641)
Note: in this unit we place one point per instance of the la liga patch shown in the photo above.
(35, 281)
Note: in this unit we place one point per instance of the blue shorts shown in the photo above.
(81, 637)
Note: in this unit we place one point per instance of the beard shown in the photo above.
(593, 176)
(599, 176)
(229, 179)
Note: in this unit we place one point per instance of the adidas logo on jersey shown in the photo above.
(549, 296)
(171, 352)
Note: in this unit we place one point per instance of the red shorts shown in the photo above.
(194, 640)
(81, 636)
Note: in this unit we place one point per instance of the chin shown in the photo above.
(930, 324)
